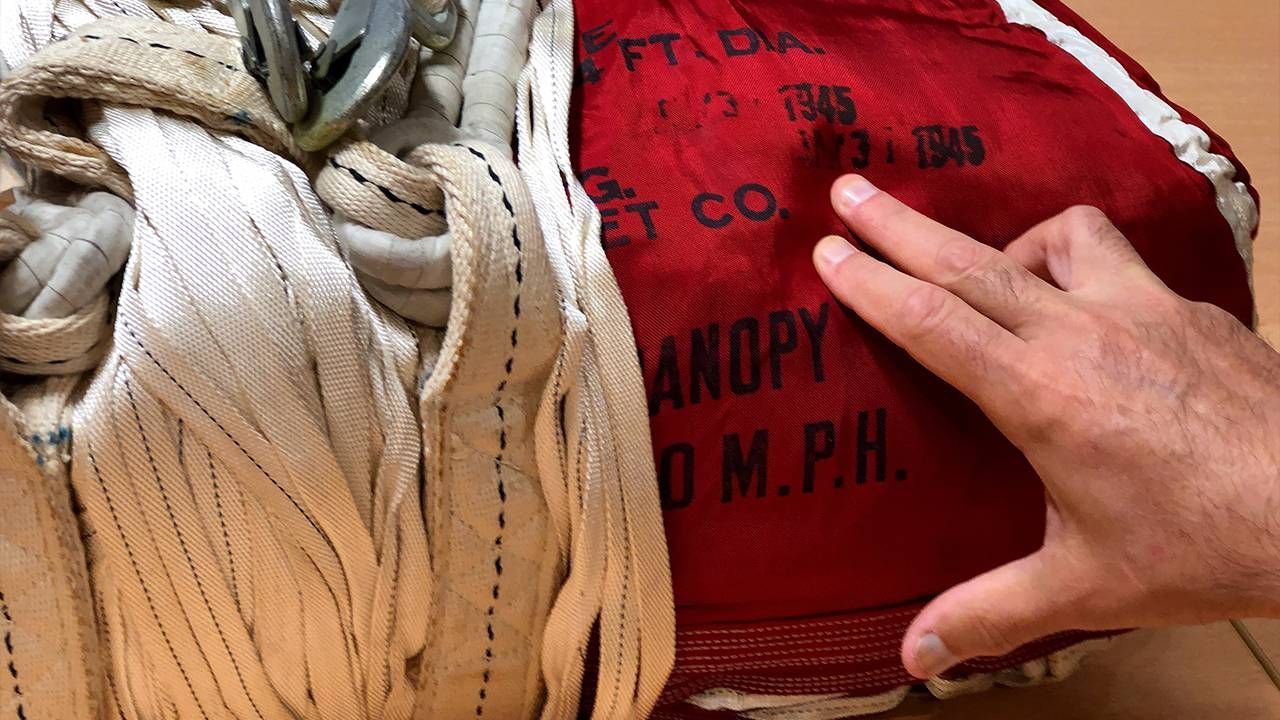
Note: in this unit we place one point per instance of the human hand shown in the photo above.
(1153, 421)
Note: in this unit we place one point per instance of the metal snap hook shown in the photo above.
(324, 95)
(271, 46)
(369, 41)
(435, 29)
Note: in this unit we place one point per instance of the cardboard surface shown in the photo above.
(1221, 60)
(1267, 634)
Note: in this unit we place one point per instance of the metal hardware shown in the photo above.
(272, 51)
(435, 30)
(323, 95)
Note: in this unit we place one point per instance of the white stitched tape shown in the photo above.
(1190, 143)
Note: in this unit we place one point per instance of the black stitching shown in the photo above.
(160, 46)
(502, 431)
(186, 552)
(506, 113)
(327, 540)
(501, 35)
(226, 537)
(386, 192)
(8, 646)
(447, 54)
(491, 71)
(182, 542)
(128, 547)
(138, 341)
(87, 241)
(451, 81)
(106, 635)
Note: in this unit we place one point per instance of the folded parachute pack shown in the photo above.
(521, 398)
(818, 486)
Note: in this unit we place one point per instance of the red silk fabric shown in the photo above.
(819, 485)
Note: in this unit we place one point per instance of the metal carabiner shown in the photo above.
(324, 95)
(435, 29)
(272, 48)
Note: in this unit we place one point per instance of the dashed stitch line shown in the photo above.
(226, 536)
(137, 571)
(162, 46)
(502, 436)
(235, 441)
(386, 192)
(182, 542)
(8, 647)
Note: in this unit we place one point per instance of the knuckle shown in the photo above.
(926, 310)
(966, 264)
(1087, 220)
(959, 261)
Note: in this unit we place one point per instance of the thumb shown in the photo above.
(992, 614)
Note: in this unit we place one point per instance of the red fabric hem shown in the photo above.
(854, 654)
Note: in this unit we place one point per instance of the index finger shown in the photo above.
(977, 273)
(957, 343)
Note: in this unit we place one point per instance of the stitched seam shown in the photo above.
(115, 519)
(887, 635)
(226, 536)
(8, 647)
(162, 46)
(386, 192)
(307, 516)
(182, 542)
(138, 341)
(502, 436)
(803, 624)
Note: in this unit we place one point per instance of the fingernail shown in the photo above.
(855, 190)
(933, 656)
(833, 250)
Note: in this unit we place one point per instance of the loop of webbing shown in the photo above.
(55, 317)
(440, 186)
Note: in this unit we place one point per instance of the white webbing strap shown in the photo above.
(442, 206)
(249, 370)
(596, 457)
(138, 62)
(399, 246)
(248, 454)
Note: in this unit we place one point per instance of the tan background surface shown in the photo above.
(1220, 59)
